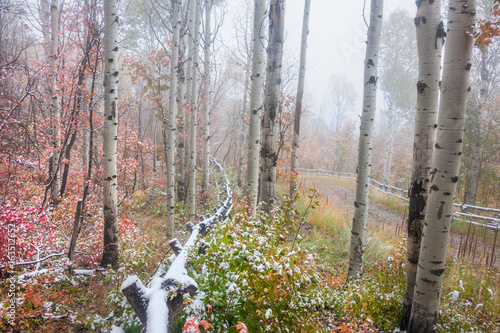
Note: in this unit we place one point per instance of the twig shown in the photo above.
(42, 260)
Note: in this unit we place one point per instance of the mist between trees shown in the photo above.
(109, 103)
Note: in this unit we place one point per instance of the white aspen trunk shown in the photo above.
(172, 121)
(243, 128)
(45, 18)
(358, 232)
(181, 185)
(189, 95)
(194, 113)
(477, 149)
(256, 90)
(446, 164)
(55, 112)
(110, 132)
(85, 130)
(206, 89)
(385, 168)
(298, 102)
(429, 73)
(389, 148)
(272, 104)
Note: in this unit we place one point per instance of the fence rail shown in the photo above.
(492, 223)
(468, 245)
(158, 304)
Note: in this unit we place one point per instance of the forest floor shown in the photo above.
(59, 296)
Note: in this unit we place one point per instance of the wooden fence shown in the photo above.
(158, 304)
(475, 216)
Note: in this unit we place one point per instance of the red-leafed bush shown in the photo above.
(23, 230)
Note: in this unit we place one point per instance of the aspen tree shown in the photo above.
(54, 102)
(110, 132)
(206, 90)
(428, 26)
(269, 131)
(477, 148)
(446, 164)
(194, 113)
(172, 121)
(358, 232)
(256, 103)
(300, 97)
(184, 150)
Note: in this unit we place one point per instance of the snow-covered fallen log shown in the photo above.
(158, 304)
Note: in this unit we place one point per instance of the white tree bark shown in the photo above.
(181, 185)
(206, 89)
(269, 131)
(55, 112)
(188, 97)
(358, 231)
(172, 121)
(256, 103)
(85, 129)
(194, 113)
(298, 101)
(110, 132)
(429, 73)
(446, 163)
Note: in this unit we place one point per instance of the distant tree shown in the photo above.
(488, 74)
(342, 97)
(299, 99)
(398, 74)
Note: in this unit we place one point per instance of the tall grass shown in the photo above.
(470, 299)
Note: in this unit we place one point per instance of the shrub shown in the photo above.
(255, 272)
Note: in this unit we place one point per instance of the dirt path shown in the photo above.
(344, 197)
(379, 216)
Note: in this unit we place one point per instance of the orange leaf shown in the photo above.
(242, 327)
(206, 324)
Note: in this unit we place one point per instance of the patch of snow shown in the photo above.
(116, 329)
(269, 313)
(84, 271)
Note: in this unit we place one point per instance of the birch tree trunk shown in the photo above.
(429, 61)
(55, 112)
(172, 121)
(110, 132)
(358, 231)
(298, 102)
(206, 89)
(189, 86)
(193, 123)
(446, 163)
(269, 135)
(181, 186)
(256, 90)
(85, 129)
(242, 127)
